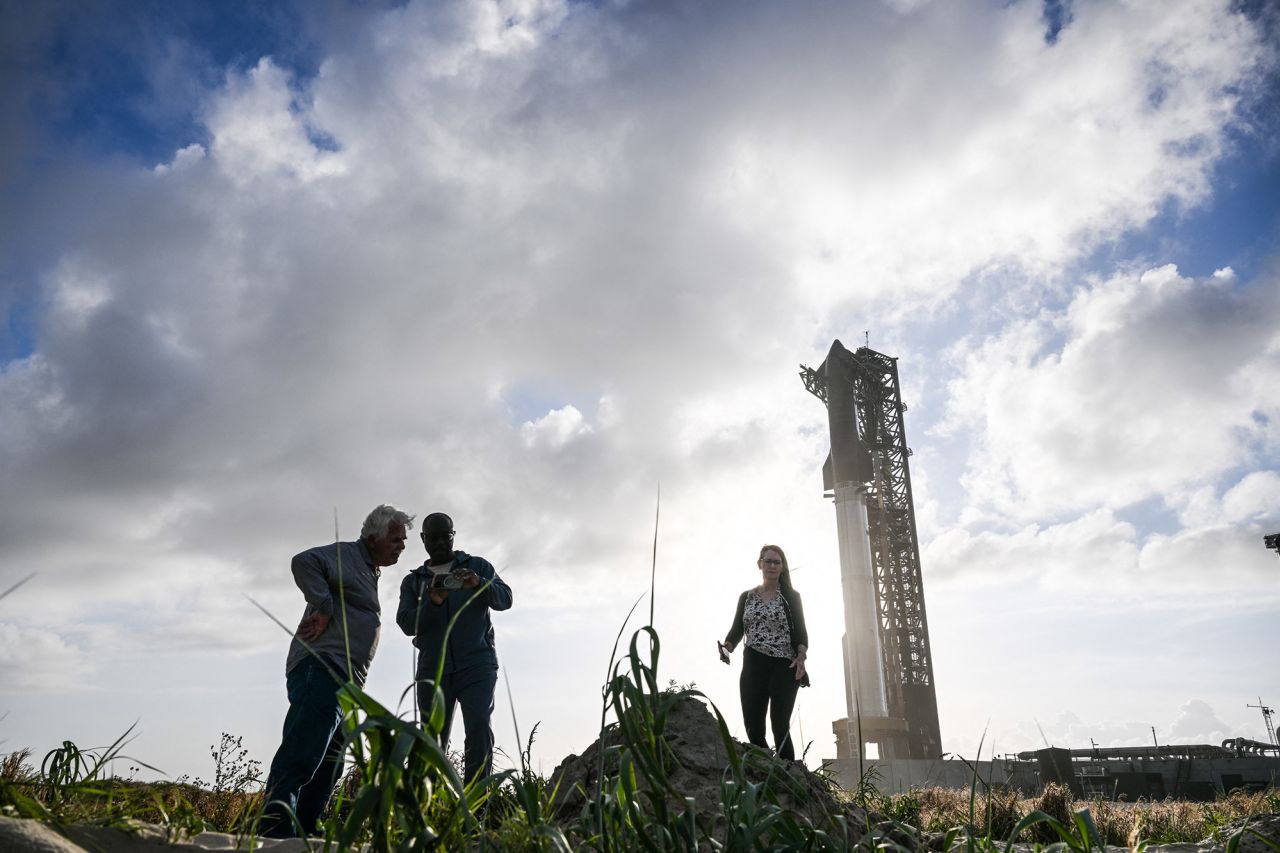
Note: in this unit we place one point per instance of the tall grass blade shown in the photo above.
(604, 712)
(342, 596)
(653, 569)
(290, 632)
(18, 584)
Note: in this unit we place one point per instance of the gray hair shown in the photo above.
(379, 522)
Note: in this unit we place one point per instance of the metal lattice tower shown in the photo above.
(1266, 719)
(895, 550)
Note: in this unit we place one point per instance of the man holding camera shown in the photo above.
(455, 583)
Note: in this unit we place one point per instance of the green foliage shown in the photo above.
(73, 786)
(404, 794)
(526, 807)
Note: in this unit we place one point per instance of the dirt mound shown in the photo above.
(701, 767)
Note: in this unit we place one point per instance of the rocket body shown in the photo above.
(864, 680)
(850, 472)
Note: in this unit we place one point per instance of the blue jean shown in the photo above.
(307, 764)
(472, 688)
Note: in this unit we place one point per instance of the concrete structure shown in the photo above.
(1183, 771)
(899, 775)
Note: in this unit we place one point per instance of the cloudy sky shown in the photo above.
(529, 261)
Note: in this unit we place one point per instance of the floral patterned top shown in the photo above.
(766, 627)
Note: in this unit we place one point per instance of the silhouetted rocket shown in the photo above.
(846, 474)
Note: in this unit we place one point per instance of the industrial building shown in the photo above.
(1190, 772)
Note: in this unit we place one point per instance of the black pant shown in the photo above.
(768, 683)
(473, 689)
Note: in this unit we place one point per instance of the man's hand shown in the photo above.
(438, 596)
(311, 627)
(470, 580)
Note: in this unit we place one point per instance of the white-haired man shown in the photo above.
(334, 643)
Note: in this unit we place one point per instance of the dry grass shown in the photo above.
(16, 766)
(995, 813)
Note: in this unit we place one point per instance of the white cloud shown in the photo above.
(39, 659)
(184, 158)
(1097, 545)
(1254, 498)
(1196, 722)
(556, 428)
(1214, 562)
(1144, 386)
(259, 131)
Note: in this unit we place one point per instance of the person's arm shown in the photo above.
(798, 662)
(498, 594)
(799, 633)
(310, 573)
(736, 630)
(799, 636)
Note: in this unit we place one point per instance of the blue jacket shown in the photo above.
(471, 642)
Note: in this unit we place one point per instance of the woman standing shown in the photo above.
(772, 621)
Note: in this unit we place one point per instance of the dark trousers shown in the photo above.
(473, 689)
(307, 764)
(768, 684)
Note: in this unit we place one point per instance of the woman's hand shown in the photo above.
(724, 649)
(797, 663)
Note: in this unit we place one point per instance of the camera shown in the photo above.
(447, 580)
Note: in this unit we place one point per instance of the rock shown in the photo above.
(1255, 829)
(32, 836)
(692, 733)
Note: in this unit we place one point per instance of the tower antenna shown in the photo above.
(1266, 718)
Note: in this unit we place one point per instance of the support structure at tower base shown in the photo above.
(882, 737)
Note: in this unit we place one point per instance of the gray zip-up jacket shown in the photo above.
(471, 642)
(317, 573)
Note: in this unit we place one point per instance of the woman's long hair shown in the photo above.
(784, 579)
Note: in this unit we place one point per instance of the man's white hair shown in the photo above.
(379, 522)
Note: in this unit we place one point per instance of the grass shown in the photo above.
(405, 793)
(999, 810)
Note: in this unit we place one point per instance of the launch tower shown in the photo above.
(889, 685)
